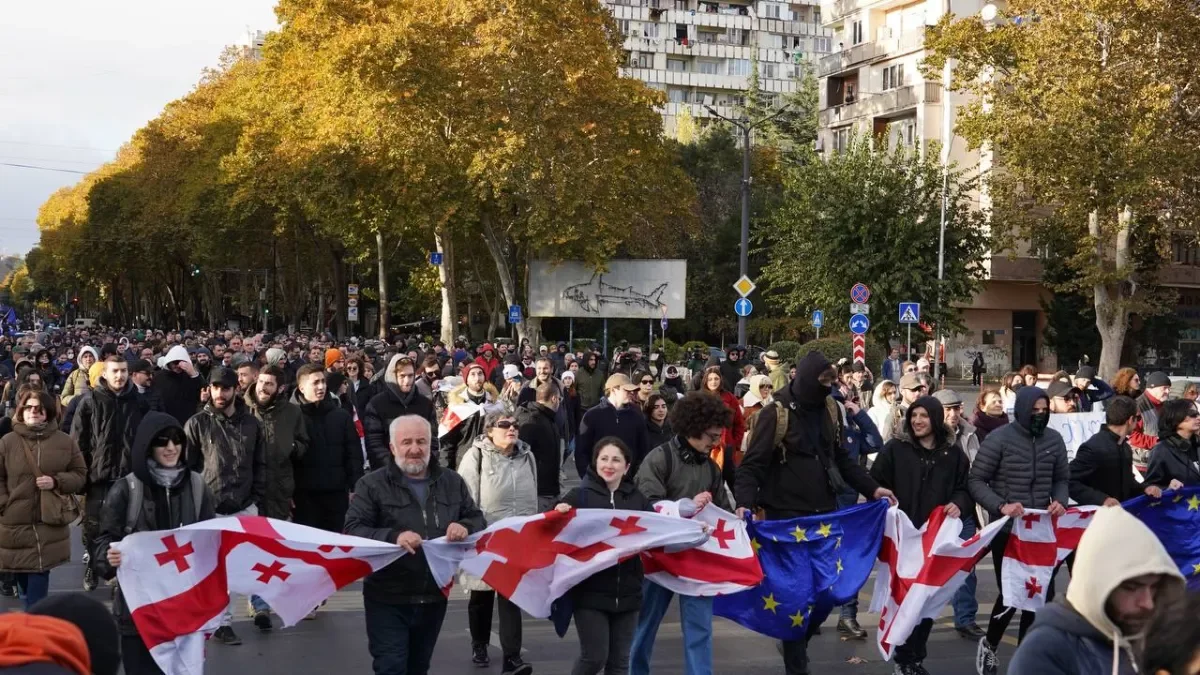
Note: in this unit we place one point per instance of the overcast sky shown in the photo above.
(79, 77)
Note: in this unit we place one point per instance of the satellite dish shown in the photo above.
(988, 13)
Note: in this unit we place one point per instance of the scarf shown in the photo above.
(164, 476)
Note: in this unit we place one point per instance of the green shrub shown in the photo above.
(787, 350)
(672, 352)
(840, 347)
(688, 347)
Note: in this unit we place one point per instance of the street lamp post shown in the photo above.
(745, 126)
(947, 140)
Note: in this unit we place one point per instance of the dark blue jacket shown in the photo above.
(1062, 642)
(862, 436)
(1098, 391)
(627, 424)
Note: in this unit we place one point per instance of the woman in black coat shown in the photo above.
(1175, 461)
(655, 412)
(606, 604)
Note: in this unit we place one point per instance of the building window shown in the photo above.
(841, 140)
(623, 26)
(709, 67)
(677, 65)
(893, 76)
(816, 15)
(822, 45)
(739, 67)
(650, 30)
(639, 60)
(676, 95)
(773, 41)
(910, 133)
(681, 5)
(770, 71)
(856, 32)
(1186, 252)
(770, 10)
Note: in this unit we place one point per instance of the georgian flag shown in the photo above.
(534, 560)
(722, 565)
(919, 571)
(177, 583)
(1035, 546)
(461, 412)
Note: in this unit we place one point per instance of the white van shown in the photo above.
(85, 323)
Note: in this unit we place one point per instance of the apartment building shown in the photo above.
(701, 53)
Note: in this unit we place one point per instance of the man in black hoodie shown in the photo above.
(178, 384)
(926, 469)
(326, 474)
(171, 497)
(804, 478)
(398, 397)
(539, 428)
(731, 368)
(104, 426)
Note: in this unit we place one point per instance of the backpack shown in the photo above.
(834, 411)
(137, 492)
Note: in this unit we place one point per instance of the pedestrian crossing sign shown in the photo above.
(910, 312)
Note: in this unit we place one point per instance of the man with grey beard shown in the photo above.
(405, 502)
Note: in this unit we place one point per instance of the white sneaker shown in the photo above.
(986, 662)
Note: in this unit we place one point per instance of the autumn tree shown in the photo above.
(1090, 109)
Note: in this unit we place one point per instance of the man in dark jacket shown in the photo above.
(286, 438)
(1093, 390)
(799, 479)
(226, 445)
(1122, 573)
(397, 397)
(326, 475)
(1102, 471)
(539, 428)
(103, 427)
(1019, 466)
(926, 470)
(1144, 435)
(589, 381)
(543, 369)
(615, 415)
(405, 502)
(178, 384)
(731, 368)
(682, 469)
(169, 501)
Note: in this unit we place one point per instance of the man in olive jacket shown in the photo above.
(409, 500)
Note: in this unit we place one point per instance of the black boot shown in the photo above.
(479, 655)
(850, 630)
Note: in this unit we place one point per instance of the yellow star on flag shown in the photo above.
(800, 534)
(797, 619)
(825, 530)
(839, 565)
(1194, 503)
(1196, 569)
(769, 603)
(838, 544)
(1178, 498)
(754, 543)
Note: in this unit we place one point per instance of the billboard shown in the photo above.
(627, 289)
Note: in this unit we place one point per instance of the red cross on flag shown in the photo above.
(919, 571)
(177, 583)
(534, 560)
(722, 565)
(1035, 547)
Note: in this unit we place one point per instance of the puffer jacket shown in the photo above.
(285, 436)
(1014, 466)
(77, 381)
(334, 460)
(26, 543)
(230, 452)
(386, 406)
(104, 425)
(617, 588)
(163, 508)
(502, 485)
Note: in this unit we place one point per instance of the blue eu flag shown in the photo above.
(810, 565)
(1175, 520)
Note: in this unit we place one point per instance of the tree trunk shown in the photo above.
(1112, 308)
(507, 285)
(385, 317)
(445, 245)
(339, 290)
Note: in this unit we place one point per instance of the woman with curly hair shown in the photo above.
(1127, 383)
(731, 440)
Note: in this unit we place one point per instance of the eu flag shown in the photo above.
(1175, 520)
(810, 565)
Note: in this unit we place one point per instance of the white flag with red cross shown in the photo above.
(1035, 546)
(176, 583)
(534, 560)
(722, 565)
(919, 571)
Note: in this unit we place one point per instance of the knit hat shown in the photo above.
(28, 639)
(568, 378)
(332, 356)
(1157, 379)
(94, 620)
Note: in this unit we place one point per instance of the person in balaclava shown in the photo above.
(1019, 466)
(796, 482)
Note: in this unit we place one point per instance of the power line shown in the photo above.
(53, 145)
(44, 168)
(89, 162)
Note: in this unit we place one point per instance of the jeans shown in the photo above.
(33, 586)
(913, 649)
(604, 641)
(401, 638)
(259, 604)
(964, 603)
(695, 614)
(479, 619)
(227, 617)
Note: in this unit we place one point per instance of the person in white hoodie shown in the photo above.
(178, 384)
(77, 382)
(1122, 572)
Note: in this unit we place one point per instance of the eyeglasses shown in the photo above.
(1193, 414)
(647, 381)
(431, 373)
(505, 424)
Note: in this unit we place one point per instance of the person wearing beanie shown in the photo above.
(477, 390)
(42, 645)
(1146, 430)
(794, 480)
(1093, 390)
(95, 622)
(926, 469)
(335, 362)
(1020, 466)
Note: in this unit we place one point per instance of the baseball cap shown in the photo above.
(948, 398)
(910, 381)
(1060, 389)
(222, 377)
(511, 371)
(1157, 379)
(619, 380)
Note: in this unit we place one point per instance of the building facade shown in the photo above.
(701, 53)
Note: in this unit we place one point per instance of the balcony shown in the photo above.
(882, 104)
(678, 79)
(847, 58)
(698, 110)
(903, 43)
(840, 9)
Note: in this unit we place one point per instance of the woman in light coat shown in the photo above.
(501, 474)
(883, 408)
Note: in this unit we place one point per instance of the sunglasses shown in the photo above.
(647, 381)
(505, 424)
(1193, 414)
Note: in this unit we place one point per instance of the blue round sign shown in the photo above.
(743, 307)
(859, 323)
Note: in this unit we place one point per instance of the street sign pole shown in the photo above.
(818, 332)
(908, 348)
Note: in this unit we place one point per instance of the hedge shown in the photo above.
(840, 347)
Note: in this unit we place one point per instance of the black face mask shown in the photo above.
(1038, 422)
